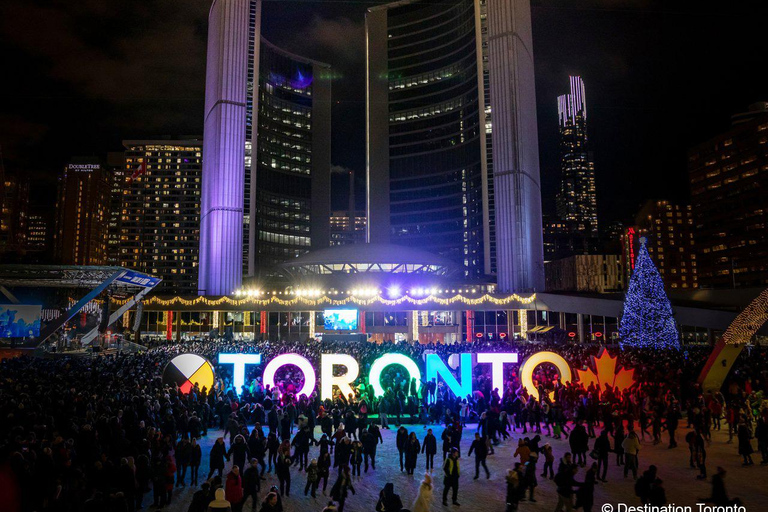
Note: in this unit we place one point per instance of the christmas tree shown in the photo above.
(647, 320)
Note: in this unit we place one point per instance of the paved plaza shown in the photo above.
(682, 487)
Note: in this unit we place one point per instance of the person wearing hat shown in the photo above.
(451, 478)
(423, 501)
(313, 478)
(252, 483)
(219, 504)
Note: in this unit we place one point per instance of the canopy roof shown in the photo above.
(370, 258)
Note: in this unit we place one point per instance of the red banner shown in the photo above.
(263, 323)
(169, 327)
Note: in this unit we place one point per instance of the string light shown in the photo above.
(249, 300)
(748, 322)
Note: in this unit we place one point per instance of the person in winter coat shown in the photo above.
(412, 450)
(388, 500)
(644, 484)
(451, 473)
(313, 478)
(549, 461)
(283, 467)
(257, 446)
(376, 439)
(233, 488)
(423, 501)
(579, 442)
(200, 499)
(324, 470)
(325, 444)
(273, 444)
(302, 443)
(658, 496)
(401, 440)
(356, 457)
(195, 457)
(183, 453)
(601, 449)
(239, 452)
(220, 504)
(429, 448)
(522, 450)
(631, 446)
(513, 486)
(218, 456)
(480, 447)
(270, 503)
(170, 473)
(252, 483)
(719, 494)
(618, 440)
(745, 444)
(342, 487)
(343, 452)
(585, 496)
(529, 474)
(565, 483)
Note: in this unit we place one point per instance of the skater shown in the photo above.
(451, 478)
(429, 448)
(480, 447)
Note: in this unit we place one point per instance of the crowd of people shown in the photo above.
(106, 433)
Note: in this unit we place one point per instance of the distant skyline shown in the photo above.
(659, 80)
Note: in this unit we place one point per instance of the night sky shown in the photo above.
(79, 77)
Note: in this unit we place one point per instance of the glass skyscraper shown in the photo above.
(433, 171)
(577, 198)
(292, 140)
(427, 126)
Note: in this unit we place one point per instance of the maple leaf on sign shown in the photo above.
(606, 373)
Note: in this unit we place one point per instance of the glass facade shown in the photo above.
(435, 123)
(287, 155)
(577, 198)
(283, 159)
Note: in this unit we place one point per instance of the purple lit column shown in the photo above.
(221, 213)
(519, 244)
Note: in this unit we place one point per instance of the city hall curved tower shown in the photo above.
(266, 154)
(431, 163)
(221, 201)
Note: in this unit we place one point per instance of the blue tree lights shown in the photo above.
(647, 320)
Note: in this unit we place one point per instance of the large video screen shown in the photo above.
(340, 319)
(19, 321)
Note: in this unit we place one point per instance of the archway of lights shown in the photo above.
(730, 345)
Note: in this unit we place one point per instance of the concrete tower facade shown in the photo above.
(519, 243)
(221, 212)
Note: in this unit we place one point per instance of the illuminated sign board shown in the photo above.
(340, 319)
(137, 279)
(435, 368)
(83, 167)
